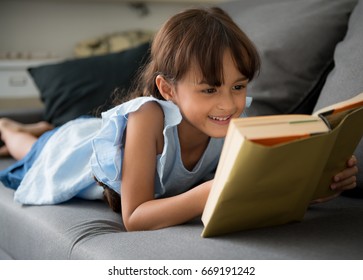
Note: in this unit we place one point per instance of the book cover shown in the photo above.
(272, 167)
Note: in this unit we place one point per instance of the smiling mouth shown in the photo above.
(220, 119)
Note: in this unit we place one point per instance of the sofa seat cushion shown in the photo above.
(81, 229)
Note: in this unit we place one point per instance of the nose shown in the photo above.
(226, 101)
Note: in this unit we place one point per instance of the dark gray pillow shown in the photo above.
(80, 86)
(296, 41)
(346, 79)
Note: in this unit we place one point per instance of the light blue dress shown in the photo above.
(91, 147)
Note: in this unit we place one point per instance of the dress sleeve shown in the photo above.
(106, 161)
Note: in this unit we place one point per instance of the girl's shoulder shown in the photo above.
(148, 117)
(149, 108)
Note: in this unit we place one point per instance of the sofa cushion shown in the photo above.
(80, 86)
(296, 41)
(81, 229)
(346, 79)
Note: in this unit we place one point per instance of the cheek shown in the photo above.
(243, 105)
(240, 103)
(188, 106)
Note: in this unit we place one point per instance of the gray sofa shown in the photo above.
(312, 55)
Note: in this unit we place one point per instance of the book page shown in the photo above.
(355, 102)
(278, 130)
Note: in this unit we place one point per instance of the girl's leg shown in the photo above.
(19, 138)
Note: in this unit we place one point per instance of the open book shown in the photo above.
(272, 167)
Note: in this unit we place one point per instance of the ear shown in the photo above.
(164, 87)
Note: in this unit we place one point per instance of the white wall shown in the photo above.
(56, 26)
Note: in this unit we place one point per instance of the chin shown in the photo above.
(218, 134)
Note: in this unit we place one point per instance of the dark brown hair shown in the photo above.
(112, 198)
(194, 36)
(198, 36)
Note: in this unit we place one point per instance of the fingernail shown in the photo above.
(333, 186)
(336, 178)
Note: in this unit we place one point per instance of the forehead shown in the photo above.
(228, 71)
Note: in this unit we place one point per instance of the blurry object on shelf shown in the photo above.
(17, 88)
(114, 42)
(28, 55)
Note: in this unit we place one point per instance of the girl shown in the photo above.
(155, 155)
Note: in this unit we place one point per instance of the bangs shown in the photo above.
(204, 46)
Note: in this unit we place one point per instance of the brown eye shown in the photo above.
(210, 90)
(239, 87)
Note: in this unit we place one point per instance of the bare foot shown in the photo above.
(7, 127)
(35, 129)
(3, 149)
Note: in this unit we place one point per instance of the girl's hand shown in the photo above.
(346, 179)
(343, 181)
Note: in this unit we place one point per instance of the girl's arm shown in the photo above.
(140, 211)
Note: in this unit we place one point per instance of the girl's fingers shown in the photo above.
(346, 173)
(344, 180)
(325, 199)
(352, 161)
(345, 184)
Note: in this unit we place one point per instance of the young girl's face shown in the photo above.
(209, 109)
